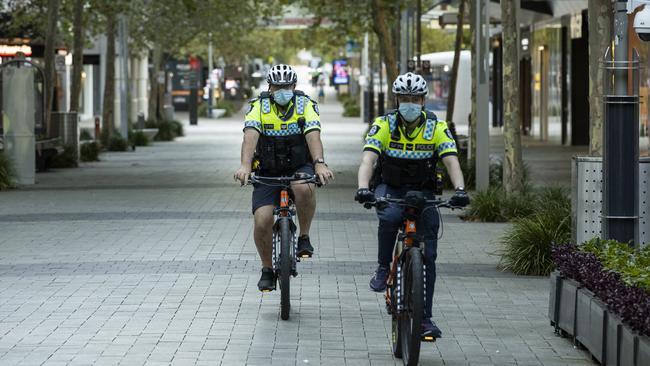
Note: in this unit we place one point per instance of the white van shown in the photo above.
(439, 83)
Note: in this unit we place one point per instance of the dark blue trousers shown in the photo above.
(391, 219)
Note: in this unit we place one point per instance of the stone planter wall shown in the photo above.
(576, 313)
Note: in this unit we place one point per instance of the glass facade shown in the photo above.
(546, 55)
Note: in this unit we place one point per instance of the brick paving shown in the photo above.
(147, 258)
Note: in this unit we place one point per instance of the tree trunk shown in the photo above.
(155, 88)
(601, 15)
(162, 91)
(380, 26)
(77, 52)
(451, 100)
(50, 72)
(109, 83)
(472, 118)
(513, 163)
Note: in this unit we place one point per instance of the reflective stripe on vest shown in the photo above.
(281, 127)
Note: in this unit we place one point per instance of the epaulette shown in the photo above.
(430, 115)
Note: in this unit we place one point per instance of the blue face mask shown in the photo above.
(282, 96)
(410, 111)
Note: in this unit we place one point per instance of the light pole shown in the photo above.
(210, 66)
(620, 219)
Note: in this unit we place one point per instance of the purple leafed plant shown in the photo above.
(630, 303)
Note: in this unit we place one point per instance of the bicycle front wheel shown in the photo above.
(411, 318)
(285, 267)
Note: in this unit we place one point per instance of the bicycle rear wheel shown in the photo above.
(411, 318)
(285, 267)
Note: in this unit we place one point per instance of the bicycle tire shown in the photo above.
(285, 267)
(395, 334)
(411, 318)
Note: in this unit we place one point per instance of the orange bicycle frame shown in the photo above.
(284, 201)
(410, 230)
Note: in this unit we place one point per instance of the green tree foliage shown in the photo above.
(441, 40)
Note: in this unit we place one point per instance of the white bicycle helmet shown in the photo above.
(281, 74)
(410, 84)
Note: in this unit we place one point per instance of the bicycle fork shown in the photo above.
(277, 244)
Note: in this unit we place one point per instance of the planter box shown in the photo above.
(643, 351)
(577, 312)
(149, 132)
(554, 296)
(591, 322)
(613, 328)
(627, 340)
(582, 330)
(598, 329)
(567, 308)
(217, 112)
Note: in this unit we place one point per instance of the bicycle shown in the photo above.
(406, 286)
(285, 241)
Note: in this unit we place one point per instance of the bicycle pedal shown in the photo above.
(428, 338)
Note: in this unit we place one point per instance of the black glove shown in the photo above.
(459, 199)
(364, 195)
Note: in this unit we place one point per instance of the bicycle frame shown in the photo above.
(285, 209)
(407, 239)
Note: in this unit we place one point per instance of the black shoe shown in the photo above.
(267, 281)
(378, 280)
(430, 331)
(305, 250)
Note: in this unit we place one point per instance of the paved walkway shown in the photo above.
(147, 258)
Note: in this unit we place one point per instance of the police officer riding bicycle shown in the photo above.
(281, 138)
(405, 146)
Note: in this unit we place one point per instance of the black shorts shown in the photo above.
(264, 195)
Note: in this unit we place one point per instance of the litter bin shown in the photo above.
(65, 125)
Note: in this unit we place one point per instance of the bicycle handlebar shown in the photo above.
(302, 178)
(382, 202)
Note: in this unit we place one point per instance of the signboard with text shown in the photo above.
(340, 74)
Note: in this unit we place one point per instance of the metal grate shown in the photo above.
(587, 199)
